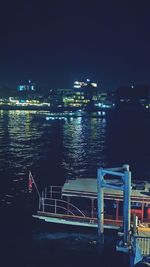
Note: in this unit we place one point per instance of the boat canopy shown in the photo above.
(87, 187)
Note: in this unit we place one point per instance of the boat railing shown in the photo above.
(52, 191)
(144, 244)
(62, 207)
(58, 206)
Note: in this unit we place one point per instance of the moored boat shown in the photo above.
(66, 115)
(75, 203)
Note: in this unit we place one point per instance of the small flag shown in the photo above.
(31, 181)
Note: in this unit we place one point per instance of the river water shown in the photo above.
(53, 151)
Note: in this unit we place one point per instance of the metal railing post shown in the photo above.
(92, 207)
(43, 201)
(100, 203)
(51, 192)
(68, 204)
(45, 192)
(55, 206)
(39, 203)
(126, 205)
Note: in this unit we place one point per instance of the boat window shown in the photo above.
(136, 204)
(147, 205)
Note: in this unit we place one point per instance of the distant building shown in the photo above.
(85, 93)
(27, 87)
(133, 96)
(61, 97)
(80, 95)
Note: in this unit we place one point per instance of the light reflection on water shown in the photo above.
(56, 150)
(84, 146)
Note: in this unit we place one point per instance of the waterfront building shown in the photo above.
(26, 102)
(82, 94)
(85, 93)
(61, 97)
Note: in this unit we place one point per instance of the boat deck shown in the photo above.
(76, 220)
(144, 230)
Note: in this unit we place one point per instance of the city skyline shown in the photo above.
(55, 44)
(47, 87)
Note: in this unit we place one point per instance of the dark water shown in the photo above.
(54, 151)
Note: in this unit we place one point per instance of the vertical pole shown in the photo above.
(142, 212)
(92, 207)
(55, 206)
(51, 191)
(39, 203)
(43, 200)
(134, 223)
(127, 205)
(45, 192)
(100, 204)
(117, 209)
(68, 202)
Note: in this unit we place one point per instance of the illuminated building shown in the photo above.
(89, 95)
(78, 84)
(16, 101)
(61, 97)
(85, 93)
(81, 95)
(27, 87)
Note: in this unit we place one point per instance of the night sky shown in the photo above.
(54, 43)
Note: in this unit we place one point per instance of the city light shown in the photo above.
(83, 94)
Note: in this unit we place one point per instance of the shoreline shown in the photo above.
(63, 109)
(36, 108)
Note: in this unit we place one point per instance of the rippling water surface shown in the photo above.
(56, 150)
